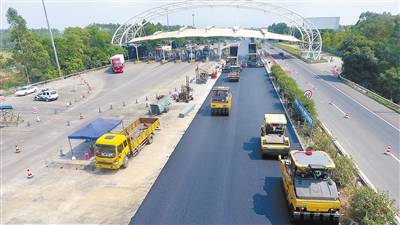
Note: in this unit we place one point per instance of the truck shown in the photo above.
(310, 192)
(232, 58)
(253, 57)
(117, 63)
(273, 139)
(113, 150)
(221, 101)
(234, 73)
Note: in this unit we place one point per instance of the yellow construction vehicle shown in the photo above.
(221, 101)
(113, 150)
(273, 139)
(310, 192)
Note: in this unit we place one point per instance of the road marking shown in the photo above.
(349, 97)
(398, 160)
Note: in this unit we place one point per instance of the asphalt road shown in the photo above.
(216, 175)
(368, 131)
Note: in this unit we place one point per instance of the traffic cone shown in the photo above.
(347, 115)
(80, 116)
(74, 99)
(307, 81)
(30, 175)
(37, 119)
(315, 88)
(136, 101)
(83, 96)
(99, 110)
(61, 153)
(55, 111)
(17, 149)
(28, 124)
(146, 98)
(111, 107)
(147, 105)
(68, 124)
(123, 103)
(388, 149)
(331, 101)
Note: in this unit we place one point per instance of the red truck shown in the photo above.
(117, 63)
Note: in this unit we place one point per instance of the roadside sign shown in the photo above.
(308, 93)
(304, 112)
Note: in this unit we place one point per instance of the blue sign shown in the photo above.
(304, 112)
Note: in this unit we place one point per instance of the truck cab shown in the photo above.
(310, 192)
(273, 139)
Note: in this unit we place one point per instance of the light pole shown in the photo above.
(52, 40)
(193, 20)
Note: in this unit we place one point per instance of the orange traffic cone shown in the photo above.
(331, 101)
(80, 116)
(30, 175)
(347, 115)
(17, 149)
(388, 149)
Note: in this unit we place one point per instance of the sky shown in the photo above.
(80, 13)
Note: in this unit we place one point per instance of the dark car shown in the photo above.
(47, 96)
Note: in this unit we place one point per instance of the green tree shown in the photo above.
(390, 83)
(372, 208)
(360, 66)
(326, 38)
(279, 28)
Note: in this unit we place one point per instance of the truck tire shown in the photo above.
(227, 112)
(167, 109)
(150, 139)
(125, 163)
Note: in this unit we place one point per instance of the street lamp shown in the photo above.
(52, 40)
(193, 20)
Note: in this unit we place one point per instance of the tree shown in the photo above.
(370, 207)
(279, 28)
(390, 83)
(326, 38)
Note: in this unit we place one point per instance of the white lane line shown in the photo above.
(398, 160)
(338, 109)
(349, 97)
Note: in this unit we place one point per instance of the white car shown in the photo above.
(25, 90)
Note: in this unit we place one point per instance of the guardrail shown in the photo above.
(365, 91)
(12, 90)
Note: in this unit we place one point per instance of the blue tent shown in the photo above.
(95, 129)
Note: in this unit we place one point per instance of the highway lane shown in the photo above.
(365, 135)
(216, 174)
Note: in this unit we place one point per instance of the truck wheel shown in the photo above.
(167, 109)
(219, 112)
(227, 112)
(125, 163)
(150, 139)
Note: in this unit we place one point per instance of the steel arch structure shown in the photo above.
(311, 41)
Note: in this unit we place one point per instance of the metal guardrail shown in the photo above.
(14, 89)
(365, 91)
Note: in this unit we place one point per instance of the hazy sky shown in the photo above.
(77, 13)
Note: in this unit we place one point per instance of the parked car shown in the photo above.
(25, 90)
(47, 96)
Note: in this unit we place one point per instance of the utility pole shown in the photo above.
(52, 40)
(193, 20)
